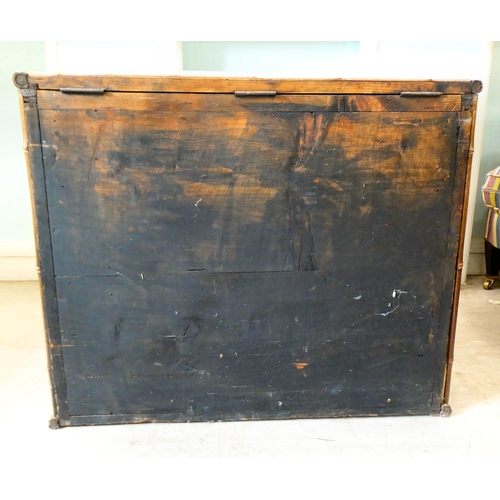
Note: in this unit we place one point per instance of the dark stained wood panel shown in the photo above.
(223, 345)
(212, 257)
(155, 193)
(44, 257)
(120, 101)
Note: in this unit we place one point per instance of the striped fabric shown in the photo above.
(493, 227)
(491, 198)
(491, 189)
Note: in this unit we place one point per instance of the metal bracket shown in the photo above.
(467, 100)
(28, 94)
(29, 97)
(54, 424)
(476, 86)
(81, 90)
(445, 410)
(21, 81)
(255, 93)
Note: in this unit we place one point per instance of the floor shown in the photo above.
(25, 406)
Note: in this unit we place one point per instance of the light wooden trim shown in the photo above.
(202, 84)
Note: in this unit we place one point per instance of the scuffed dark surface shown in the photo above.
(263, 192)
(252, 263)
(225, 343)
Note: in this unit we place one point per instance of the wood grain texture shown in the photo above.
(458, 220)
(45, 266)
(224, 258)
(231, 84)
(250, 414)
(222, 345)
(187, 102)
(155, 193)
(398, 103)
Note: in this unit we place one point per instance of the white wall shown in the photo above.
(119, 58)
(292, 59)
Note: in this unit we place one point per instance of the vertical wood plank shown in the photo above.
(45, 266)
(454, 260)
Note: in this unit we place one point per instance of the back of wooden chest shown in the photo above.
(207, 256)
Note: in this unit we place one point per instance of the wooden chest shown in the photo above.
(233, 249)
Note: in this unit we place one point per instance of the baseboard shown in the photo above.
(17, 260)
(477, 264)
(18, 269)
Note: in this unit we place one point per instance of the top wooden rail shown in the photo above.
(224, 84)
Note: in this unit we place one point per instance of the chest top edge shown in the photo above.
(223, 84)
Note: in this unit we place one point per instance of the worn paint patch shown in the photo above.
(109, 187)
(328, 183)
(218, 170)
(365, 209)
(204, 189)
